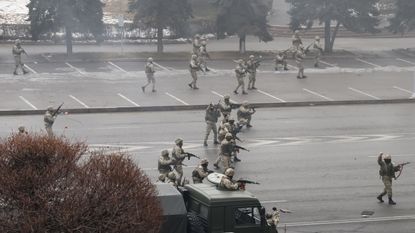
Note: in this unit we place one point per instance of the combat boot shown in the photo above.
(391, 202)
(235, 92)
(236, 159)
(205, 143)
(244, 93)
(216, 142)
(15, 73)
(143, 89)
(25, 72)
(380, 198)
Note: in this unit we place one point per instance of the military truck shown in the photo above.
(203, 208)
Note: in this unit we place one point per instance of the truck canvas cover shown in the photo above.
(174, 210)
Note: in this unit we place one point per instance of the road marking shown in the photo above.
(292, 67)
(317, 94)
(31, 70)
(27, 102)
(132, 102)
(215, 93)
(174, 97)
(80, 102)
(74, 68)
(406, 61)
(160, 66)
(276, 201)
(369, 63)
(407, 91)
(329, 64)
(348, 221)
(119, 68)
(364, 93)
(269, 95)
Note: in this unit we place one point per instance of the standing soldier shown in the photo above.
(196, 44)
(178, 155)
(251, 67)
(49, 119)
(387, 172)
(150, 75)
(281, 59)
(201, 172)
(299, 57)
(211, 118)
(318, 51)
(244, 114)
(225, 106)
(226, 181)
(194, 67)
(240, 72)
(226, 149)
(164, 163)
(203, 56)
(296, 40)
(17, 54)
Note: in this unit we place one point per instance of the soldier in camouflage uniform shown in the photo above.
(196, 45)
(244, 114)
(281, 60)
(240, 72)
(178, 156)
(171, 179)
(296, 40)
(318, 50)
(49, 119)
(17, 54)
(22, 130)
(225, 106)
(203, 56)
(226, 150)
(387, 172)
(194, 67)
(226, 181)
(299, 57)
(211, 118)
(164, 163)
(149, 69)
(251, 67)
(201, 172)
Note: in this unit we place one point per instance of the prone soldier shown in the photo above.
(149, 69)
(387, 172)
(17, 54)
(251, 67)
(194, 67)
(201, 172)
(240, 72)
(281, 60)
(211, 118)
(244, 114)
(318, 50)
(164, 163)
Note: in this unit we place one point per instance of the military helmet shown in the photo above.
(164, 153)
(251, 56)
(203, 42)
(226, 97)
(194, 56)
(387, 156)
(49, 109)
(317, 38)
(150, 59)
(197, 36)
(229, 172)
(245, 103)
(296, 31)
(204, 161)
(162, 177)
(231, 119)
(228, 135)
(17, 41)
(179, 140)
(171, 176)
(21, 129)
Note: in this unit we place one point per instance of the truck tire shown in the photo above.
(194, 224)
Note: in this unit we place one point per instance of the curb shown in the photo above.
(203, 107)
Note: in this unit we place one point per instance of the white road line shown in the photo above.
(132, 102)
(276, 201)
(213, 70)
(31, 70)
(317, 94)
(329, 64)
(215, 93)
(348, 221)
(119, 68)
(369, 63)
(269, 95)
(74, 68)
(174, 97)
(28, 103)
(292, 67)
(407, 91)
(80, 102)
(364, 93)
(160, 66)
(406, 61)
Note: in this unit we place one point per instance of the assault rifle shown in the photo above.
(401, 166)
(242, 183)
(56, 112)
(189, 155)
(236, 147)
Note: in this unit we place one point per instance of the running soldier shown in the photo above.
(194, 67)
(203, 56)
(299, 57)
(244, 114)
(387, 173)
(150, 75)
(281, 60)
(240, 72)
(49, 119)
(211, 117)
(164, 163)
(318, 50)
(17, 54)
(178, 155)
(251, 67)
(296, 40)
(201, 172)
(225, 106)
(227, 182)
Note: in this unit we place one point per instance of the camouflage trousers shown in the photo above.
(225, 159)
(300, 69)
(317, 57)
(18, 63)
(49, 130)
(252, 79)
(211, 126)
(179, 171)
(241, 83)
(387, 182)
(193, 73)
(150, 80)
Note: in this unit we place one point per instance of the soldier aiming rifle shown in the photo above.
(49, 118)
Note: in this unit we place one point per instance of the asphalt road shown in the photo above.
(116, 83)
(318, 162)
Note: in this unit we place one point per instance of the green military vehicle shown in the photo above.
(203, 208)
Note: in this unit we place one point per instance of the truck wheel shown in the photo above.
(194, 224)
